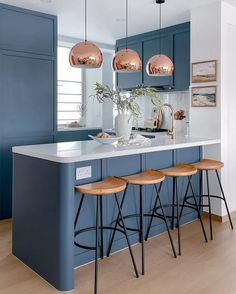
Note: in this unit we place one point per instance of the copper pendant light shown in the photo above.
(160, 65)
(126, 60)
(85, 54)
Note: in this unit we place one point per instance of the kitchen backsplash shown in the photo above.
(179, 100)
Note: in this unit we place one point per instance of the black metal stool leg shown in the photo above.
(78, 211)
(97, 245)
(126, 235)
(165, 220)
(200, 202)
(153, 213)
(116, 224)
(185, 196)
(141, 235)
(223, 194)
(177, 206)
(198, 210)
(209, 204)
(173, 204)
(101, 230)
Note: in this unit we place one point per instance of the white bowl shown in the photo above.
(109, 140)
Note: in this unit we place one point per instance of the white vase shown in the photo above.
(123, 126)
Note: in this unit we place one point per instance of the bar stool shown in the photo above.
(110, 186)
(207, 165)
(148, 177)
(179, 171)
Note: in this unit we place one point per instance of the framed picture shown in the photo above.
(204, 96)
(203, 72)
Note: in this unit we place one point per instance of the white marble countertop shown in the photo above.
(69, 152)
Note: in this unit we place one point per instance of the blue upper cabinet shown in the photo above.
(152, 47)
(181, 41)
(27, 31)
(28, 83)
(175, 42)
(130, 80)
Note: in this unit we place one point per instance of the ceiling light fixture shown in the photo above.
(85, 54)
(160, 65)
(127, 60)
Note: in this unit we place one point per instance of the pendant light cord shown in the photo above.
(85, 16)
(160, 26)
(126, 29)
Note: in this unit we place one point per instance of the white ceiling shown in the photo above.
(105, 16)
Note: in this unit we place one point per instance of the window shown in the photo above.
(70, 90)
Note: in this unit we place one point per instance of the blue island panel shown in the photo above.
(45, 205)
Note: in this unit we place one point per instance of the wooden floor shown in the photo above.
(203, 268)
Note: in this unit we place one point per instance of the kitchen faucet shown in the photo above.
(171, 132)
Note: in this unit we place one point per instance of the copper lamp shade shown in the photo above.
(126, 61)
(160, 66)
(86, 55)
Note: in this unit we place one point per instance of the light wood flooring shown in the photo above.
(203, 268)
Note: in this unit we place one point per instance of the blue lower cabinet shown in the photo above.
(6, 170)
(45, 206)
(81, 135)
(128, 165)
(87, 215)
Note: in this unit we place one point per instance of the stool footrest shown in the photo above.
(78, 232)
(137, 215)
(170, 206)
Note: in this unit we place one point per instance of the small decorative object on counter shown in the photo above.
(104, 138)
(126, 106)
(180, 115)
(74, 124)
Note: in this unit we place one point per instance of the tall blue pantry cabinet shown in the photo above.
(28, 48)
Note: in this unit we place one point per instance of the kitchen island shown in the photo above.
(44, 201)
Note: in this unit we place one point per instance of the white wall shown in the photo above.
(108, 80)
(228, 108)
(205, 122)
(213, 36)
(206, 45)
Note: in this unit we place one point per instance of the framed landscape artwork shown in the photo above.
(203, 72)
(204, 96)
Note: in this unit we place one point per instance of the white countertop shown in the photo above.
(69, 152)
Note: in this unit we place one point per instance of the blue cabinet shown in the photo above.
(28, 42)
(27, 31)
(174, 42)
(152, 47)
(130, 80)
(182, 60)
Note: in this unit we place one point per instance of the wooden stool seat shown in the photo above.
(148, 177)
(180, 170)
(106, 187)
(208, 164)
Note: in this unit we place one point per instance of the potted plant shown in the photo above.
(126, 105)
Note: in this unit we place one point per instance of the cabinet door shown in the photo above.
(130, 80)
(27, 95)
(27, 104)
(27, 31)
(182, 60)
(151, 48)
